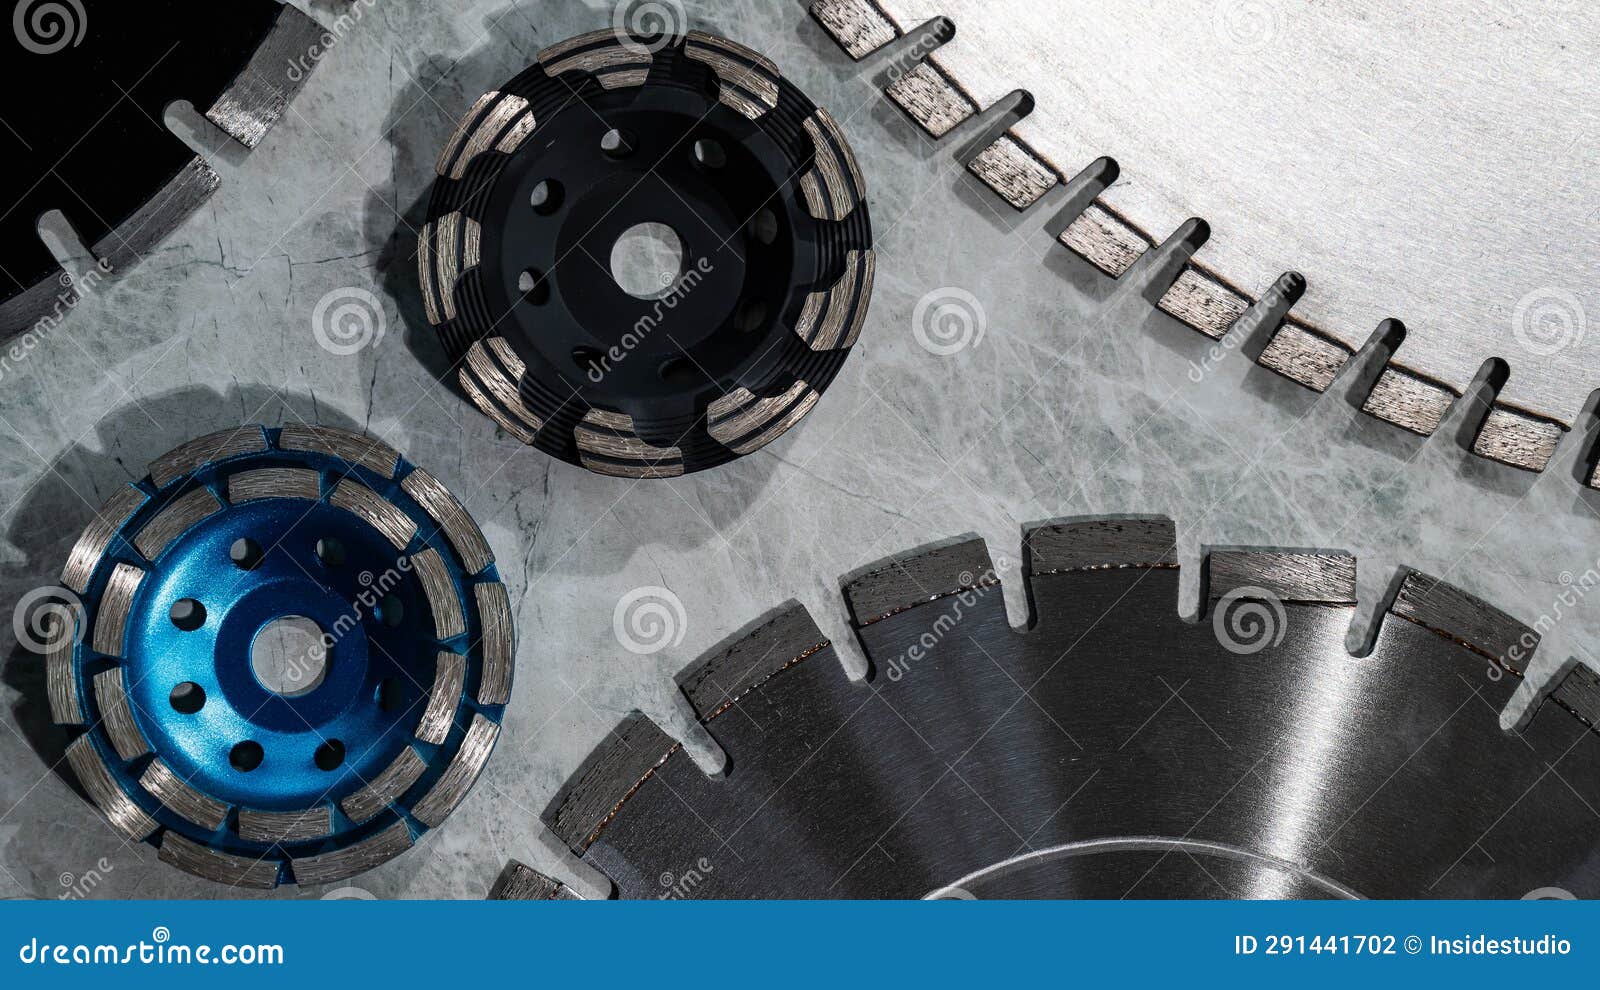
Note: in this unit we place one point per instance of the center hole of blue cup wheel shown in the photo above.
(290, 656)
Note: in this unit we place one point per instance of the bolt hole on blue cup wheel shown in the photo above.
(294, 656)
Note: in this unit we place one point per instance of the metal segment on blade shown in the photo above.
(833, 317)
(357, 858)
(61, 683)
(602, 55)
(387, 786)
(494, 612)
(451, 788)
(191, 454)
(247, 486)
(357, 448)
(437, 588)
(744, 423)
(608, 444)
(286, 826)
(749, 79)
(1113, 750)
(119, 809)
(173, 520)
(203, 861)
(636, 749)
(453, 520)
(181, 799)
(111, 620)
(255, 100)
(443, 698)
(522, 883)
(111, 697)
(352, 496)
(97, 537)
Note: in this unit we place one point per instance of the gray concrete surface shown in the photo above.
(1071, 396)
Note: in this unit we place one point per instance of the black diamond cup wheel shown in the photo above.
(647, 257)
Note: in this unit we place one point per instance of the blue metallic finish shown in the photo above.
(378, 631)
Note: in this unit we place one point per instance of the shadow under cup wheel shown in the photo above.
(647, 258)
(292, 657)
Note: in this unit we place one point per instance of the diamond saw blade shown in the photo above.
(746, 291)
(1438, 169)
(291, 659)
(1111, 749)
(89, 83)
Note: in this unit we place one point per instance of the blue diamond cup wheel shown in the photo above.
(647, 256)
(292, 660)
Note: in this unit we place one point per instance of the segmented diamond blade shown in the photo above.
(1111, 750)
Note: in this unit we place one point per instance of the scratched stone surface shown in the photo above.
(1070, 396)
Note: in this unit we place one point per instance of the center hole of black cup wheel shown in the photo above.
(289, 656)
(647, 260)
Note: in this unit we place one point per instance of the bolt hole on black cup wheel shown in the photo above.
(647, 255)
